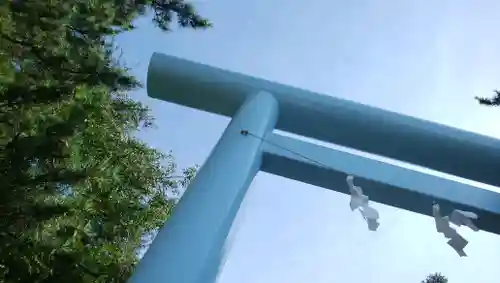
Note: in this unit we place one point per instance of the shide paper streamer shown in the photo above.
(459, 218)
(361, 202)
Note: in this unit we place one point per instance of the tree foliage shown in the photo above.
(493, 101)
(435, 278)
(78, 191)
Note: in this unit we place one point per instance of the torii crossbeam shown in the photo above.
(188, 249)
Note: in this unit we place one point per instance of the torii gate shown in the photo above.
(189, 248)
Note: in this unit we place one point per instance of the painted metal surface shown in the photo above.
(188, 248)
(382, 182)
(331, 119)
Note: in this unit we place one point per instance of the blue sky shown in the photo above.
(421, 58)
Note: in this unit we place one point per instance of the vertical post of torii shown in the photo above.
(188, 249)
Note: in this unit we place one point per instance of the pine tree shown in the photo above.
(78, 192)
(435, 278)
(494, 101)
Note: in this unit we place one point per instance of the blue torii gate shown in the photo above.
(189, 248)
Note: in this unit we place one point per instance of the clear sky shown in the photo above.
(422, 58)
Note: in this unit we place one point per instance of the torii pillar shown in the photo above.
(188, 249)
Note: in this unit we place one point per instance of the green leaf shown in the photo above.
(80, 190)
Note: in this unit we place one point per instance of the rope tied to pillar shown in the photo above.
(247, 133)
